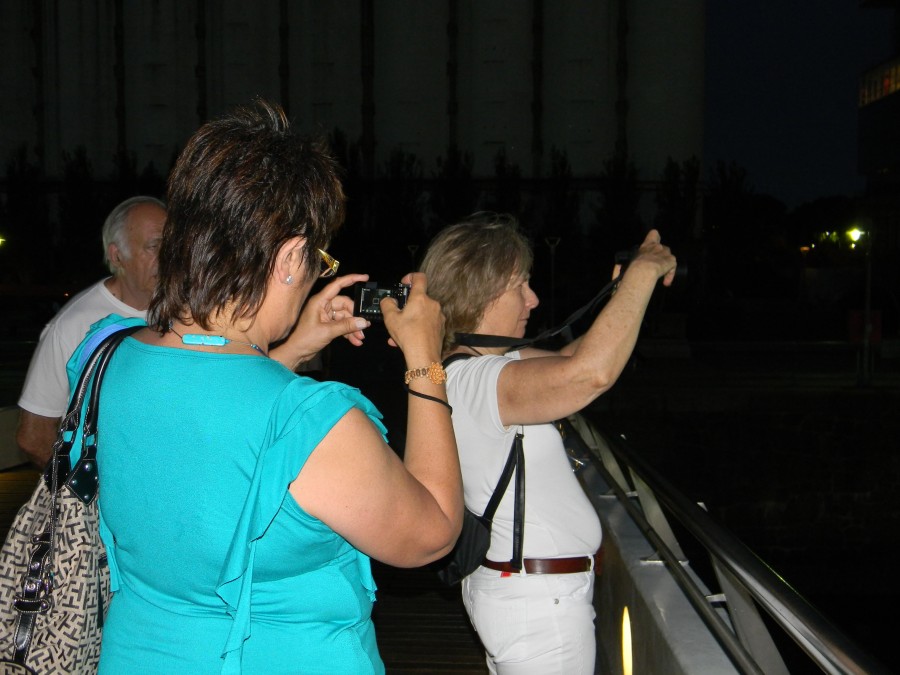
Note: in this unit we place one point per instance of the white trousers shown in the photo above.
(536, 624)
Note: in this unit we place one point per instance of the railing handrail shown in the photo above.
(824, 643)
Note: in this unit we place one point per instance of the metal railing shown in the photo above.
(746, 582)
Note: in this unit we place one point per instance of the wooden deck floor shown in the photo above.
(421, 625)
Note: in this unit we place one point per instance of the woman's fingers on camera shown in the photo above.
(389, 308)
(342, 305)
(418, 289)
(390, 303)
(334, 287)
(420, 317)
(417, 281)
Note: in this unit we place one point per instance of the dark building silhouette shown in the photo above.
(879, 138)
(521, 79)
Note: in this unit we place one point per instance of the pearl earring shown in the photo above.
(289, 280)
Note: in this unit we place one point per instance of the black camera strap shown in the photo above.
(479, 340)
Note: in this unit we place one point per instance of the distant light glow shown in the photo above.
(855, 234)
(2, 241)
(627, 657)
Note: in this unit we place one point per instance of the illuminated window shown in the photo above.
(879, 82)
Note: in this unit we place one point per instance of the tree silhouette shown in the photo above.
(455, 195)
(82, 210)
(619, 224)
(24, 222)
(676, 202)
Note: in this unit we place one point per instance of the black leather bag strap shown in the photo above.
(60, 465)
(83, 479)
(488, 516)
(519, 506)
(35, 598)
(61, 462)
(515, 462)
(511, 461)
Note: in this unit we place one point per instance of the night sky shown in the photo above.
(782, 90)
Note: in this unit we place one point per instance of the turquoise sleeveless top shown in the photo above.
(215, 567)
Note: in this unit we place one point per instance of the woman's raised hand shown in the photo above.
(417, 329)
(326, 315)
(655, 255)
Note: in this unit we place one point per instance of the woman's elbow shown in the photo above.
(450, 534)
(595, 383)
(456, 524)
(437, 542)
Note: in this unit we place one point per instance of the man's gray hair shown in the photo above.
(114, 226)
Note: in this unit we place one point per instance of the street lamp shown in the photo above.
(864, 372)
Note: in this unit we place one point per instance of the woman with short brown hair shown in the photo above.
(240, 501)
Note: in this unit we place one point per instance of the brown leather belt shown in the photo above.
(544, 565)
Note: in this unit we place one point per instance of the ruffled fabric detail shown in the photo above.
(288, 444)
(94, 337)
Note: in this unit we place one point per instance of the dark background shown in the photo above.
(752, 389)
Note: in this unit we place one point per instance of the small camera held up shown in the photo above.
(367, 299)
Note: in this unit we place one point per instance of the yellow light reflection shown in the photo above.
(626, 643)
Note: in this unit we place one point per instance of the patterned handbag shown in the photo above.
(54, 580)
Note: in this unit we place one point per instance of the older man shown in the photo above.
(131, 238)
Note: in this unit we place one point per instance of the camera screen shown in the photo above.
(367, 302)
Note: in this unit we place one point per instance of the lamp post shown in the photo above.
(864, 371)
